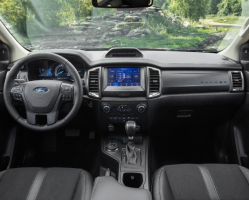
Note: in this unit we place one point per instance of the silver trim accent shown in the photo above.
(231, 80)
(111, 150)
(137, 149)
(153, 94)
(94, 94)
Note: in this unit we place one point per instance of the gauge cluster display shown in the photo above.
(53, 70)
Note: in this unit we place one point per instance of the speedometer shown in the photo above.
(61, 71)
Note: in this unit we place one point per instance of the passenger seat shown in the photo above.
(201, 182)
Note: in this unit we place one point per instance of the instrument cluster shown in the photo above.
(48, 69)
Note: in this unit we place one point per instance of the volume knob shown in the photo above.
(141, 108)
(106, 109)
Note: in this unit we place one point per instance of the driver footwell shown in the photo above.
(57, 150)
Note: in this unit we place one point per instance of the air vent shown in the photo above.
(237, 81)
(93, 82)
(154, 82)
(123, 52)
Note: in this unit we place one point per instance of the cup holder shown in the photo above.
(134, 180)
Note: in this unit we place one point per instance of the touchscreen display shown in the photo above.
(124, 76)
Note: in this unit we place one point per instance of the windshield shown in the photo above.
(209, 25)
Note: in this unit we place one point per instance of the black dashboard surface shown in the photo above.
(159, 59)
(181, 72)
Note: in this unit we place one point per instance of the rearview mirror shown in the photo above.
(122, 3)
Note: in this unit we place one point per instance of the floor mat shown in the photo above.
(60, 151)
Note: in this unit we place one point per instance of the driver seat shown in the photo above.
(45, 184)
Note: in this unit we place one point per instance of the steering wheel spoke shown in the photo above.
(31, 117)
(51, 117)
(17, 92)
(67, 92)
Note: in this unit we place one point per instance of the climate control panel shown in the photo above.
(116, 114)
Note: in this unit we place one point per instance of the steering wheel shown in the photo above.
(43, 97)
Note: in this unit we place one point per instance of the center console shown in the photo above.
(123, 108)
(107, 188)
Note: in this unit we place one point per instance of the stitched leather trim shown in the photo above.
(2, 174)
(245, 172)
(84, 195)
(213, 194)
(160, 186)
(37, 183)
(95, 185)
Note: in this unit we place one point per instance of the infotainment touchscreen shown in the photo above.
(124, 76)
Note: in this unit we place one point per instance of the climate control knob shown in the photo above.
(106, 109)
(141, 108)
(110, 127)
(138, 128)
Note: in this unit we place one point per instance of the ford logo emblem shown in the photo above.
(41, 89)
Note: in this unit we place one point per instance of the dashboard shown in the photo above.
(156, 87)
(142, 77)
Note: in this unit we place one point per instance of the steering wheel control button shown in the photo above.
(17, 89)
(66, 88)
(66, 97)
(141, 108)
(110, 127)
(17, 97)
(106, 109)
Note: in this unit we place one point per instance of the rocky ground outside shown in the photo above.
(97, 31)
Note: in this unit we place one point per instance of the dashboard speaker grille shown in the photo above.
(237, 81)
(93, 83)
(123, 52)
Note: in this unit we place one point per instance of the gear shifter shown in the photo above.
(130, 128)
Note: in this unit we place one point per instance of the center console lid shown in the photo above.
(107, 188)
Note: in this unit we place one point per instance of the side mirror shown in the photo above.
(4, 54)
(122, 3)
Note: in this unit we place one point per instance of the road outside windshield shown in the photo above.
(169, 24)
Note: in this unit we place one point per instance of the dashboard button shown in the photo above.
(123, 94)
(119, 120)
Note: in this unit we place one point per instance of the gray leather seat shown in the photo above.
(45, 184)
(201, 182)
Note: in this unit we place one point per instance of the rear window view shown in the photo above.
(169, 24)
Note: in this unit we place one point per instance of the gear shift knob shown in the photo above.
(130, 128)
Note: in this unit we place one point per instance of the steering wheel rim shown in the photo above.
(10, 83)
